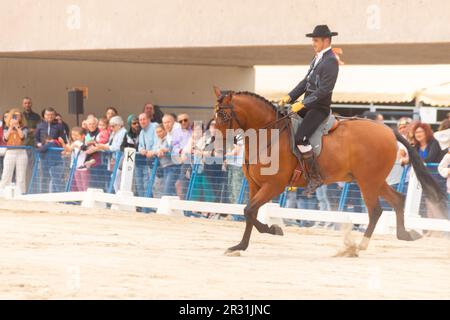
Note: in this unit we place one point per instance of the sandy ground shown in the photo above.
(66, 252)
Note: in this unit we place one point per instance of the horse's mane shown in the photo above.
(258, 97)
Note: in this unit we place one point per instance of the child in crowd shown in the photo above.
(77, 151)
(104, 132)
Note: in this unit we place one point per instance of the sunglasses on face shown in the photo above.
(134, 123)
(183, 120)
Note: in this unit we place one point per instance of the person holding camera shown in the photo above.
(15, 135)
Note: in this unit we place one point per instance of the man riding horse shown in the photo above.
(318, 87)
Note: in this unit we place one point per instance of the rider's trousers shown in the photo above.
(312, 118)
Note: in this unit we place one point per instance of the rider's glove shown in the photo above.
(296, 107)
(284, 100)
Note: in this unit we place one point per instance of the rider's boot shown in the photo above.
(312, 169)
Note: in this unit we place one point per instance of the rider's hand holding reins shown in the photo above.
(284, 100)
(296, 107)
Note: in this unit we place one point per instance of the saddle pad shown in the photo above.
(316, 138)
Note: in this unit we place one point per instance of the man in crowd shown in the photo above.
(147, 138)
(31, 121)
(180, 139)
(153, 112)
(168, 122)
(46, 136)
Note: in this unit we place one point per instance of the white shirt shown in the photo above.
(320, 55)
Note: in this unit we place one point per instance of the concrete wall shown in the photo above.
(33, 25)
(124, 85)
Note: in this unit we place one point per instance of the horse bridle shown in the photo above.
(224, 116)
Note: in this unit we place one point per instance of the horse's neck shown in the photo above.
(258, 116)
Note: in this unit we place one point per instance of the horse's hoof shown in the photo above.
(276, 230)
(415, 235)
(409, 236)
(233, 253)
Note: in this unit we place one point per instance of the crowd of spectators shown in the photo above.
(93, 148)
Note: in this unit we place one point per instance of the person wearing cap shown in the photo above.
(403, 127)
(317, 85)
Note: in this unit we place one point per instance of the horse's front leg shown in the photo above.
(258, 197)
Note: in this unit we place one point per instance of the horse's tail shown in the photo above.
(430, 187)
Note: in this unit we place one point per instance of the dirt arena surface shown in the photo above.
(66, 252)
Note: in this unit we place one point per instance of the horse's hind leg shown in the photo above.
(397, 201)
(371, 200)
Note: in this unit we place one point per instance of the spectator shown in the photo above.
(153, 112)
(168, 121)
(445, 124)
(180, 139)
(234, 161)
(170, 171)
(195, 149)
(104, 132)
(430, 152)
(376, 116)
(84, 125)
(213, 167)
(31, 120)
(295, 199)
(59, 119)
(110, 113)
(2, 141)
(403, 126)
(424, 142)
(147, 139)
(115, 141)
(98, 173)
(47, 135)
(131, 139)
(15, 159)
(77, 151)
(91, 130)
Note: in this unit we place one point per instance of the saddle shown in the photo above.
(326, 127)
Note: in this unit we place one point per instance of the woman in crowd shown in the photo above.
(110, 113)
(14, 135)
(429, 150)
(118, 133)
(426, 145)
(213, 167)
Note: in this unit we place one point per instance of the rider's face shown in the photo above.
(320, 43)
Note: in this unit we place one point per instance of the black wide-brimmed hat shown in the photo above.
(321, 31)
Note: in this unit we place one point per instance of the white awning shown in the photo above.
(436, 96)
(363, 83)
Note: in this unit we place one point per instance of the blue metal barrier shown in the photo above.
(206, 181)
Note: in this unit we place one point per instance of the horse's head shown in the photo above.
(225, 112)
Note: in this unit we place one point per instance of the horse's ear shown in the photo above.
(217, 92)
(228, 97)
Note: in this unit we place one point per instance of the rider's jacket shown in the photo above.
(318, 83)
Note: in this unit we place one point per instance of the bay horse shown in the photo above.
(360, 150)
